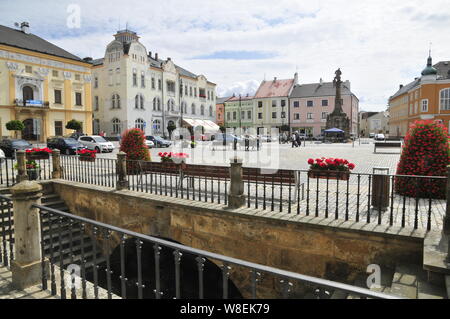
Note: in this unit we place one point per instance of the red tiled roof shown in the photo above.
(274, 88)
(243, 98)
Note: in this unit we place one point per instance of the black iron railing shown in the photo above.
(8, 171)
(142, 266)
(6, 231)
(101, 172)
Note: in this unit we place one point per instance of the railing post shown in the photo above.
(26, 268)
(446, 222)
(122, 182)
(236, 197)
(56, 160)
(21, 166)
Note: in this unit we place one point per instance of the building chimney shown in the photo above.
(401, 86)
(347, 84)
(168, 59)
(88, 59)
(295, 78)
(25, 27)
(321, 81)
(275, 79)
(156, 56)
(150, 54)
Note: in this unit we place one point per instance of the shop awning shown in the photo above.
(209, 126)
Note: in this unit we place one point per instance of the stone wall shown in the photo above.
(323, 248)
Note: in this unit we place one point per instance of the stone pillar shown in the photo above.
(446, 224)
(56, 160)
(122, 182)
(21, 166)
(26, 268)
(236, 197)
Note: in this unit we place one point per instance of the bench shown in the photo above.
(386, 145)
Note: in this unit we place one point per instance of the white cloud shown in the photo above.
(378, 44)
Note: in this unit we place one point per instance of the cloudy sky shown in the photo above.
(237, 43)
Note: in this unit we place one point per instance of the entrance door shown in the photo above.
(32, 131)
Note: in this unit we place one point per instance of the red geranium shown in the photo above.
(335, 164)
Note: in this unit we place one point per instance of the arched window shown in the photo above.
(193, 109)
(184, 107)
(445, 99)
(139, 102)
(28, 93)
(140, 124)
(156, 104)
(202, 110)
(116, 101)
(116, 126)
(156, 126)
(170, 105)
(210, 111)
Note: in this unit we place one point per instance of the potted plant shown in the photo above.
(330, 168)
(176, 158)
(38, 153)
(32, 168)
(87, 155)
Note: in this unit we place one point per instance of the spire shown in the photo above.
(429, 70)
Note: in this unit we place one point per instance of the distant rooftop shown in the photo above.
(274, 88)
(318, 89)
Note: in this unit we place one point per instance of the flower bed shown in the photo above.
(87, 155)
(330, 168)
(172, 157)
(38, 153)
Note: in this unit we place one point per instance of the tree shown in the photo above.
(74, 125)
(15, 126)
(285, 128)
(133, 144)
(171, 127)
(425, 153)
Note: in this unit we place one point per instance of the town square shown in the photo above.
(259, 154)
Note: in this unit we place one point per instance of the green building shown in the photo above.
(239, 112)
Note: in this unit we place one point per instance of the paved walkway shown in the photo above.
(9, 292)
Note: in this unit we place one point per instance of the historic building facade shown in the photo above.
(239, 112)
(426, 98)
(42, 85)
(310, 105)
(220, 110)
(134, 88)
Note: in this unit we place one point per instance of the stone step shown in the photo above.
(426, 290)
(387, 276)
(405, 281)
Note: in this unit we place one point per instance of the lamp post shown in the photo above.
(240, 115)
(181, 109)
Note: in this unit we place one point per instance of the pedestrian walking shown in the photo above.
(294, 140)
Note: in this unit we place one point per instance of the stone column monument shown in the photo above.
(338, 118)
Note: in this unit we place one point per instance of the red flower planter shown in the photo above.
(335, 175)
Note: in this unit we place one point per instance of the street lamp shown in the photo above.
(181, 108)
(240, 115)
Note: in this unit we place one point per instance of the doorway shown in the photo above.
(32, 130)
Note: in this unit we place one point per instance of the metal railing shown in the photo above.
(8, 172)
(6, 231)
(129, 270)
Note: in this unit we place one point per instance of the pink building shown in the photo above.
(309, 105)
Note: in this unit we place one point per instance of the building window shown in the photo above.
(116, 126)
(140, 124)
(170, 86)
(310, 116)
(243, 115)
(134, 78)
(324, 115)
(274, 103)
(283, 103)
(249, 115)
(96, 82)
(156, 104)
(260, 116)
(234, 116)
(77, 77)
(228, 116)
(58, 128)
(416, 107)
(55, 73)
(171, 105)
(296, 104)
(195, 92)
(201, 93)
(424, 105)
(142, 79)
(283, 115)
(202, 110)
(260, 103)
(115, 101)
(190, 90)
(210, 111)
(310, 103)
(324, 102)
(159, 84)
(297, 116)
(156, 126)
(28, 69)
(274, 115)
(445, 99)
(96, 103)
(193, 109)
(139, 102)
(58, 98)
(185, 90)
(78, 101)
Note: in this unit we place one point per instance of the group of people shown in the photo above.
(296, 140)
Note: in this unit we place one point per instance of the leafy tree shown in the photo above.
(15, 126)
(425, 153)
(74, 125)
(133, 144)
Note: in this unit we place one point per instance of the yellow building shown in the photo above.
(42, 85)
(426, 98)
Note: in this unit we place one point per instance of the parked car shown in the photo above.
(225, 139)
(66, 145)
(76, 135)
(96, 143)
(149, 143)
(320, 138)
(371, 135)
(10, 146)
(159, 141)
(380, 137)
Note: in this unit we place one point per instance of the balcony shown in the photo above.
(31, 103)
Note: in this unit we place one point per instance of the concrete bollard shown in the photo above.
(21, 166)
(236, 197)
(26, 268)
(446, 222)
(122, 182)
(56, 160)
